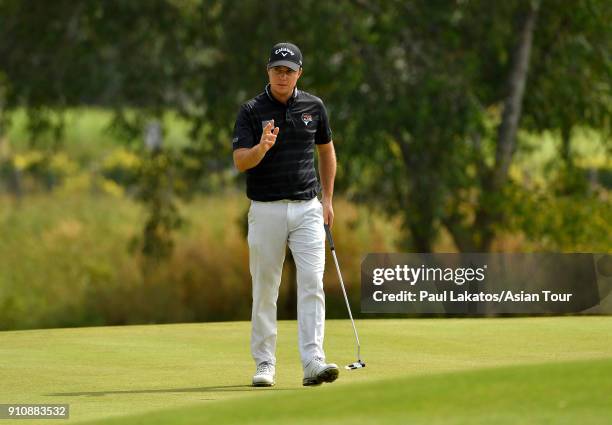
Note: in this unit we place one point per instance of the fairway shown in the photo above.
(429, 371)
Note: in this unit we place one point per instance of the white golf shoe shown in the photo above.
(317, 371)
(264, 375)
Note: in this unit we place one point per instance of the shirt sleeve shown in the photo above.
(324, 133)
(243, 131)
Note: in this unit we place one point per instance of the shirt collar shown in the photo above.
(273, 99)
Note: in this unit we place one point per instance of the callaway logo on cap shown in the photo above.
(285, 54)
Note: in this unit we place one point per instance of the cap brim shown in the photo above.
(288, 64)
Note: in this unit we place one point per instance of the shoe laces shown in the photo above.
(318, 360)
(264, 367)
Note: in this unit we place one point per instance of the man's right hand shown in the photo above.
(246, 158)
(268, 137)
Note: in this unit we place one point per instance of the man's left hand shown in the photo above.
(328, 213)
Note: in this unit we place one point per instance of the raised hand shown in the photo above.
(268, 137)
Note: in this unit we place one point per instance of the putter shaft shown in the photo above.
(348, 306)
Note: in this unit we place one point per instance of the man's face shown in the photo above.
(283, 79)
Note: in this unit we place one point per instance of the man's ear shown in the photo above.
(300, 73)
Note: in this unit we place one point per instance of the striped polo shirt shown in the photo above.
(287, 170)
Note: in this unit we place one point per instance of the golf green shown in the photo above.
(553, 370)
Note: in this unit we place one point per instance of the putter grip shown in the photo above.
(329, 237)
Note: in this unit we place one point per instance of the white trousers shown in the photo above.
(271, 226)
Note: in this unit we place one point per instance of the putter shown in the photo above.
(358, 364)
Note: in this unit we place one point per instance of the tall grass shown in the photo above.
(64, 261)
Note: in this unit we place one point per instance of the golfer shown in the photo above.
(274, 139)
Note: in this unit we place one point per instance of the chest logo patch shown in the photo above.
(307, 118)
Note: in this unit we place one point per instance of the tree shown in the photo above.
(131, 57)
(425, 98)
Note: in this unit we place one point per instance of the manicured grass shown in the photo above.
(430, 371)
(565, 393)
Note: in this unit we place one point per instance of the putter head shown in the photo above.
(357, 365)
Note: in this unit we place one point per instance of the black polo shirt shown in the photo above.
(287, 170)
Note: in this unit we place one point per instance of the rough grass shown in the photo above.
(64, 261)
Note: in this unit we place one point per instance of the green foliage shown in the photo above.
(571, 66)
(577, 221)
(121, 166)
(415, 92)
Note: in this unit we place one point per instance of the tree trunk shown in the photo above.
(461, 234)
(513, 103)
(14, 180)
(421, 240)
(420, 201)
(489, 211)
